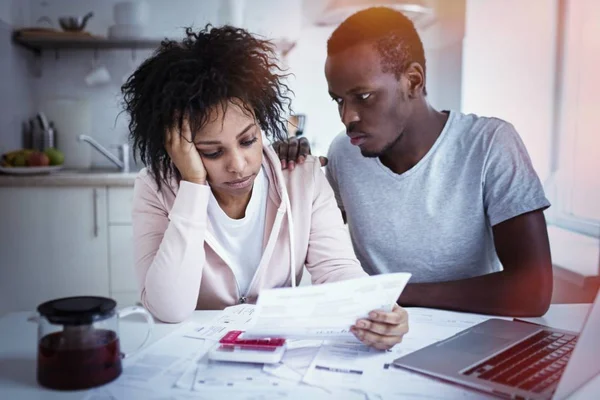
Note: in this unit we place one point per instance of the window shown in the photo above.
(575, 187)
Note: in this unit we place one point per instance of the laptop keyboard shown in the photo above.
(533, 364)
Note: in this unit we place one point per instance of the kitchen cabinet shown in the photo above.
(53, 243)
(120, 203)
(120, 262)
(65, 241)
(123, 283)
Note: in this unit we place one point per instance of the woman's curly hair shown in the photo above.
(189, 77)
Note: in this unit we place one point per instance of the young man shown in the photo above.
(449, 197)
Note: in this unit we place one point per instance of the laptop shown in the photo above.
(514, 359)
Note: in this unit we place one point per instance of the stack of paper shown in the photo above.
(177, 366)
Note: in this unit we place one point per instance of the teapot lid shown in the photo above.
(78, 310)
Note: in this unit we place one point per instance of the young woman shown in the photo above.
(215, 218)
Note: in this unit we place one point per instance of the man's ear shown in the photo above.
(416, 79)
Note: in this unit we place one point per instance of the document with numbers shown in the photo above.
(324, 311)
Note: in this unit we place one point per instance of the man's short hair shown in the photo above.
(393, 34)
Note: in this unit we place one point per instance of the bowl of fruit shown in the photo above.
(31, 162)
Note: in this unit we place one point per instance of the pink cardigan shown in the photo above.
(178, 263)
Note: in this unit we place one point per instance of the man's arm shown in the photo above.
(522, 289)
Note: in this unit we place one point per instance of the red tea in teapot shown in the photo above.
(78, 358)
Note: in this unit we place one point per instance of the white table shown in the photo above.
(18, 341)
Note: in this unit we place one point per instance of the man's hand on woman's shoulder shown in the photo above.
(294, 151)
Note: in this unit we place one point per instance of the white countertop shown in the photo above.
(18, 340)
(70, 177)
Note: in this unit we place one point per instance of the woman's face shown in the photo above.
(230, 145)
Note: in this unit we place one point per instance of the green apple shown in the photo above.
(55, 156)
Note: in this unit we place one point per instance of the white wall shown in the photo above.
(14, 12)
(63, 76)
(443, 44)
(16, 92)
(273, 19)
(509, 66)
(577, 165)
(443, 51)
(63, 72)
(5, 11)
(165, 18)
(307, 63)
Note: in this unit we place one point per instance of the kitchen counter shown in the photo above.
(66, 177)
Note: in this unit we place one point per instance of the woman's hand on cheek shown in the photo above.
(382, 330)
(183, 153)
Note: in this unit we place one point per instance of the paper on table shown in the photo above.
(160, 373)
(294, 364)
(394, 383)
(120, 391)
(126, 392)
(447, 322)
(227, 380)
(155, 369)
(186, 380)
(245, 381)
(218, 375)
(296, 393)
(164, 362)
(427, 326)
(352, 365)
(232, 318)
(342, 364)
(323, 311)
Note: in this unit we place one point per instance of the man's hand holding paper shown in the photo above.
(382, 330)
(363, 309)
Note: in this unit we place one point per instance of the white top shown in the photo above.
(242, 239)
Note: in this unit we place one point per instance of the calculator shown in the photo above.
(235, 349)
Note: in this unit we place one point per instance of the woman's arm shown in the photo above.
(330, 254)
(169, 248)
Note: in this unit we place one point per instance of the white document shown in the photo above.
(126, 392)
(294, 364)
(175, 367)
(446, 319)
(215, 376)
(122, 392)
(232, 318)
(343, 365)
(153, 373)
(394, 383)
(164, 362)
(353, 366)
(324, 311)
(296, 360)
(186, 380)
(427, 326)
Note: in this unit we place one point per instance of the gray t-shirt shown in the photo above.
(435, 220)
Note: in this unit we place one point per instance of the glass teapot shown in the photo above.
(78, 341)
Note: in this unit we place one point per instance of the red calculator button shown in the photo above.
(231, 338)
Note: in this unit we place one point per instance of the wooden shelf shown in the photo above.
(38, 43)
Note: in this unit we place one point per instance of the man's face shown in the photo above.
(373, 104)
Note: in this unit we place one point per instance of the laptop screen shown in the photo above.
(584, 363)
